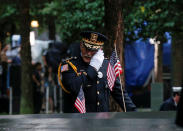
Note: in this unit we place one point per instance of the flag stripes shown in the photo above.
(114, 70)
(111, 76)
(118, 68)
(80, 102)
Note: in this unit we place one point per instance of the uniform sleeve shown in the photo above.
(73, 83)
(117, 95)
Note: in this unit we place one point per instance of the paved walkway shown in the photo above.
(130, 121)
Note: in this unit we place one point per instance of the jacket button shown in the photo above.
(98, 103)
(85, 73)
(97, 82)
(98, 92)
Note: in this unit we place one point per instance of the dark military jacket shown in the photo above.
(96, 90)
(168, 105)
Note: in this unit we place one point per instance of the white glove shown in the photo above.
(97, 59)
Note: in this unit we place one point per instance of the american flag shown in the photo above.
(80, 102)
(64, 68)
(114, 70)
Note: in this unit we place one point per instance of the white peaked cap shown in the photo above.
(176, 89)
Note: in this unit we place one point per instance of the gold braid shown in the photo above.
(73, 67)
(59, 80)
(59, 75)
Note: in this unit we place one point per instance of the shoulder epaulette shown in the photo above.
(68, 59)
(66, 62)
(59, 79)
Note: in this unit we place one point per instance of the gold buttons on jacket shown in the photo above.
(98, 92)
(98, 103)
(97, 82)
(85, 73)
(88, 85)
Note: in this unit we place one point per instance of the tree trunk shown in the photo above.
(26, 69)
(177, 59)
(177, 71)
(114, 31)
(51, 27)
(158, 64)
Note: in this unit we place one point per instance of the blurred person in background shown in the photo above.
(171, 103)
(49, 83)
(37, 87)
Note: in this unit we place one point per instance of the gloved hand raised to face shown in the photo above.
(97, 59)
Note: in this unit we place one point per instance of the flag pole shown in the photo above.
(120, 83)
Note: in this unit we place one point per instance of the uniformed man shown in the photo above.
(89, 71)
(171, 103)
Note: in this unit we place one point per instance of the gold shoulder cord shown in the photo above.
(59, 79)
(59, 75)
(73, 67)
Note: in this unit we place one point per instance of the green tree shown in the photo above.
(7, 22)
(154, 18)
(44, 11)
(74, 16)
(26, 67)
(115, 31)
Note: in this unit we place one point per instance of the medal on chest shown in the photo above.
(100, 75)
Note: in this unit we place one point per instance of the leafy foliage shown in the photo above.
(83, 15)
(142, 19)
(7, 11)
(153, 18)
(6, 20)
(74, 16)
(71, 16)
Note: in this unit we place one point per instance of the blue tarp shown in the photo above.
(139, 62)
(167, 51)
